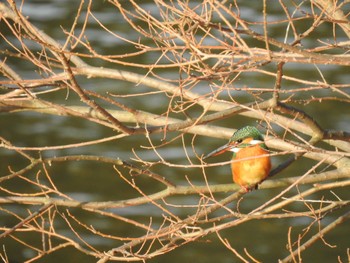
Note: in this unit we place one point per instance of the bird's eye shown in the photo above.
(239, 140)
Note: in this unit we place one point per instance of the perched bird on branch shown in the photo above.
(251, 164)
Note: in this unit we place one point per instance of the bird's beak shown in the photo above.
(220, 150)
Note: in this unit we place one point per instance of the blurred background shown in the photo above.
(90, 181)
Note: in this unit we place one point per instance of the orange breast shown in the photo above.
(253, 169)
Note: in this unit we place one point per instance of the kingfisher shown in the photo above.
(251, 164)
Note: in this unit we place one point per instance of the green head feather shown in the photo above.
(247, 132)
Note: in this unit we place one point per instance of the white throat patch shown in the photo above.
(253, 142)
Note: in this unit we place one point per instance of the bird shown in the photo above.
(251, 163)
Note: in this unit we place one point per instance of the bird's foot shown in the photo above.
(249, 188)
